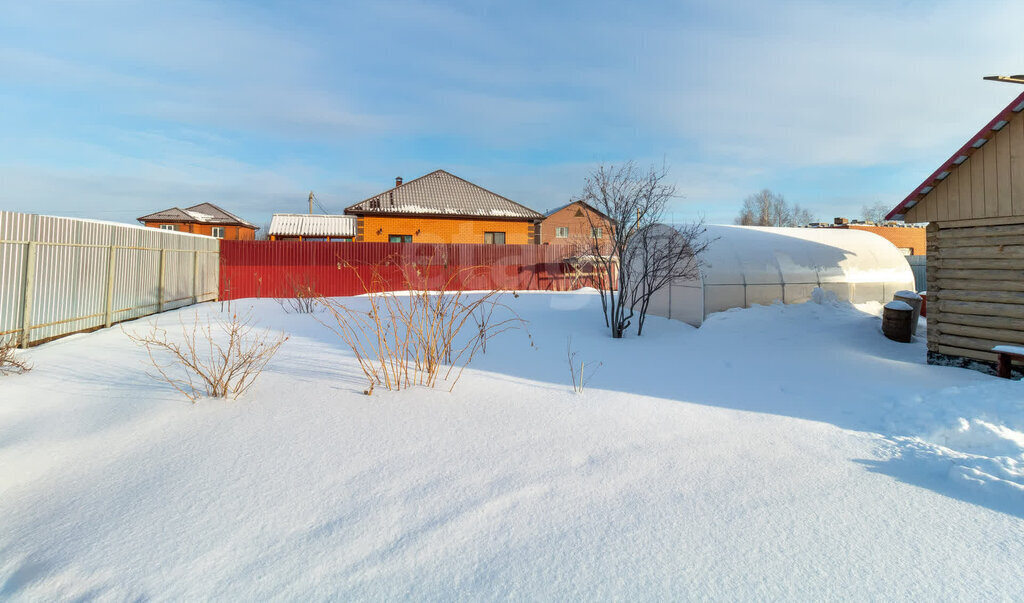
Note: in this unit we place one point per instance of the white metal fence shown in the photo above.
(64, 275)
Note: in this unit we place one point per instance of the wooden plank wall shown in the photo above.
(975, 289)
(989, 184)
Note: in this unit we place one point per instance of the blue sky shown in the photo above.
(112, 110)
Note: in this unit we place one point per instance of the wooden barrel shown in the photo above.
(914, 301)
(896, 321)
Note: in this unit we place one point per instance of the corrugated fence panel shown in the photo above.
(64, 266)
(285, 268)
(13, 256)
(919, 266)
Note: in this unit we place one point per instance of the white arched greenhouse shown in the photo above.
(747, 265)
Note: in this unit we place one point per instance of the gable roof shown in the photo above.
(996, 124)
(440, 193)
(311, 225)
(203, 213)
(554, 211)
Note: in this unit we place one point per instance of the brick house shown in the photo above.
(205, 219)
(443, 208)
(575, 223)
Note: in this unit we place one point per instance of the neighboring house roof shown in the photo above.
(442, 194)
(311, 225)
(204, 213)
(552, 212)
(959, 157)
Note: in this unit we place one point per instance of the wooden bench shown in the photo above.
(1007, 354)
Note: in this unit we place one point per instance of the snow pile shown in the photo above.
(778, 452)
(974, 435)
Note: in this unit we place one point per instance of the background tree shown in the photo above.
(639, 256)
(874, 213)
(766, 208)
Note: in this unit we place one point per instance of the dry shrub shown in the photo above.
(415, 337)
(220, 359)
(10, 364)
(304, 297)
(576, 374)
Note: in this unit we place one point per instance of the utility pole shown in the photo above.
(311, 203)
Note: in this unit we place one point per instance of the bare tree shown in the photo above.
(636, 260)
(874, 213)
(766, 208)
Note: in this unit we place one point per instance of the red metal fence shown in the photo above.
(284, 268)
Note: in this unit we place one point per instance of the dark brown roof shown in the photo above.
(442, 194)
(204, 213)
(552, 212)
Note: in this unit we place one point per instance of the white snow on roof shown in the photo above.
(312, 225)
(198, 215)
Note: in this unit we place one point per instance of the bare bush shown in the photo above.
(577, 372)
(220, 359)
(10, 364)
(417, 336)
(303, 299)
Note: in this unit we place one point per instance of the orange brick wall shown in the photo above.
(441, 230)
(914, 238)
(235, 233)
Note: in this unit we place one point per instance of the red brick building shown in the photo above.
(575, 223)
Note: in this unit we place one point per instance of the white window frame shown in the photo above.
(562, 232)
(168, 227)
(597, 232)
(213, 232)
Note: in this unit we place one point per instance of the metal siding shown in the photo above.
(70, 275)
(279, 268)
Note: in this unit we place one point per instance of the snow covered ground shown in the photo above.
(777, 452)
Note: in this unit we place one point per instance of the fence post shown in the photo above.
(111, 266)
(160, 286)
(195, 276)
(30, 281)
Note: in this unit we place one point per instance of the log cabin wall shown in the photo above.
(975, 292)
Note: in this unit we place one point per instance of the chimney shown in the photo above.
(398, 181)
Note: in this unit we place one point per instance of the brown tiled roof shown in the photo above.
(442, 194)
(204, 213)
(552, 212)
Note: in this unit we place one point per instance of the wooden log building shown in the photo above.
(974, 206)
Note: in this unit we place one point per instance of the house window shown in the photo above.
(562, 232)
(168, 227)
(399, 238)
(597, 233)
(906, 250)
(494, 238)
(217, 231)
